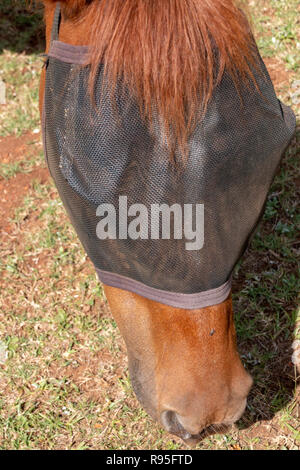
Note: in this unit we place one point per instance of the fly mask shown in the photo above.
(171, 233)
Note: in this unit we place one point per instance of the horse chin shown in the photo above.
(217, 428)
(172, 423)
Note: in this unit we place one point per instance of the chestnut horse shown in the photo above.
(183, 363)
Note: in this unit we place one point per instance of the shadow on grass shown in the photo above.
(265, 299)
(21, 27)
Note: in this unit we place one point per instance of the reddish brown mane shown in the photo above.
(165, 51)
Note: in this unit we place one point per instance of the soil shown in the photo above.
(279, 75)
(13, 191)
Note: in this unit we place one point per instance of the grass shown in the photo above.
(9, 170)
(20, 73)
(276, 25)
(65, 382)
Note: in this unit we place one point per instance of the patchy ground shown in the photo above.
(17, 173)
(64, 384)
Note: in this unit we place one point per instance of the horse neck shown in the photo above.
(72, 31)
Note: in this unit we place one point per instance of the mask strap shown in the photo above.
(56, 23)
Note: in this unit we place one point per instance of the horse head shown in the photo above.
(183, 362)
(184, 365)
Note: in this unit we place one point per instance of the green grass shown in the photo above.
(276, 26)
(65, 383)
(20, 73)
(8, 170)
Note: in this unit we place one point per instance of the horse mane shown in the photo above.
(170, 54)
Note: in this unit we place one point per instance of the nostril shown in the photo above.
(170, 422)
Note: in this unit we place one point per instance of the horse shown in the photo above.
(183, 362)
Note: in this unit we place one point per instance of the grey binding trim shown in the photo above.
(174, 299)
(77, 55)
